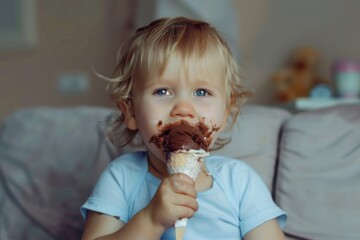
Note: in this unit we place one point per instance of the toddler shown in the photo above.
(178, 70)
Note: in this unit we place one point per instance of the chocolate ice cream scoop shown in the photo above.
(183, 136)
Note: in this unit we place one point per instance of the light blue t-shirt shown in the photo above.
(237, 202)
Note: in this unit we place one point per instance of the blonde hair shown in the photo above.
(147, 54)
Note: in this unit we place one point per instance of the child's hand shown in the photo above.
(174, 199)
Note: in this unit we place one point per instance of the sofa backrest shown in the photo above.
(50, 159)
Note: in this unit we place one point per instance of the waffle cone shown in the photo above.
(188, 162)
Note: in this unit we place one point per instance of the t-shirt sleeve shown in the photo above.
(108, 195)
(256, 204)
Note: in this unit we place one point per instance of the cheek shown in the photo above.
(215, 115)
(147, 121)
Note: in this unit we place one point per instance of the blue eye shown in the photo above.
(201, 92)
(162, 92)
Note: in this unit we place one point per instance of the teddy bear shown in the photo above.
(299, 77)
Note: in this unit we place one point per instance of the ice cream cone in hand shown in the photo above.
(185, 146)
(188, 162)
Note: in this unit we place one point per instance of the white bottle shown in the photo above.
(347, 79)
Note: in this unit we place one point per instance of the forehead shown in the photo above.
(209, 65)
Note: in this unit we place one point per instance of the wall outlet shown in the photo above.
(73, 83)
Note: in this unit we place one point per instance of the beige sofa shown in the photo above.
(50, 159)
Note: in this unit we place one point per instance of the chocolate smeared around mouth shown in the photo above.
(183, 136)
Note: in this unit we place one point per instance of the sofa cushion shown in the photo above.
(319, 173)
(255, 139)
(49, 161)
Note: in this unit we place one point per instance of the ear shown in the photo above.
(129, 117)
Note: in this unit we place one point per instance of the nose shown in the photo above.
(183, 109)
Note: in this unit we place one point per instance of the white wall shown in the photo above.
(271, 29)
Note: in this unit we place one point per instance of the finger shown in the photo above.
(182, 187)
(184, 213)
(182, 177)
(187, 201)
(186, 206)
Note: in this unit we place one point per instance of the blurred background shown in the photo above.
(48, 48)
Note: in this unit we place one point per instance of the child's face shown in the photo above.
(196, 93)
